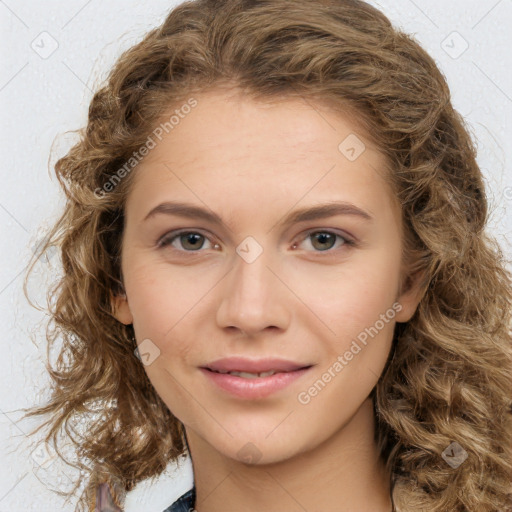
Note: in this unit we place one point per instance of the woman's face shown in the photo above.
(243, 278)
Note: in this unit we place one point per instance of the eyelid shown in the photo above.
(171, 235)
(342, 234)
(348, 240)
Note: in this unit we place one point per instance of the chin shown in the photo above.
(258, 450)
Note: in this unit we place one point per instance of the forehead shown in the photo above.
(226, 120)
(285, 148)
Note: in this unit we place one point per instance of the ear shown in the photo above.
(121, 309)
(412, 292)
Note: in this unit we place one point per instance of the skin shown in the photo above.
(252, 163)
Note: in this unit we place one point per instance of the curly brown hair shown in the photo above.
(448, 376)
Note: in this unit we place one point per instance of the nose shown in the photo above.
(254, 297)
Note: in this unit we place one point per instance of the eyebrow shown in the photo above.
(316, 212)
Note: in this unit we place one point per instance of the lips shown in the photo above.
(253, 366)
(254, 386)
(252, 379)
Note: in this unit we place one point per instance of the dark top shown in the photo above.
(184, 503)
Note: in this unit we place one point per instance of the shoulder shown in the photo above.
(184, 503)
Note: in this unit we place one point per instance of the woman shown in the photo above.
(275, 262)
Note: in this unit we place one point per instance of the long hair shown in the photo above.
(446, 384)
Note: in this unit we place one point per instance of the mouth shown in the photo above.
(252, 385)
(253, 375)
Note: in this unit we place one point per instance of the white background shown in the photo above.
(42, 98)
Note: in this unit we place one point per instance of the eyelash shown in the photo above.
(168, 239)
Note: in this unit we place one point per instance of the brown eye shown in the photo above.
(190, 241)
(324, 241)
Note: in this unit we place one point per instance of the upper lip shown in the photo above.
(240, 364)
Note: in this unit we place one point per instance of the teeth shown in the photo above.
(247, 375)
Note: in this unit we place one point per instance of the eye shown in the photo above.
(193, 241)
(190, 241)
(324, 241)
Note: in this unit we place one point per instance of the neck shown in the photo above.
(342, 474)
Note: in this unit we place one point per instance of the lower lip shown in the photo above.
(260, 387)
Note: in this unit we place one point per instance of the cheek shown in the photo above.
(174, 365)
(163, 312)
(157, 303)
(353, 297)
